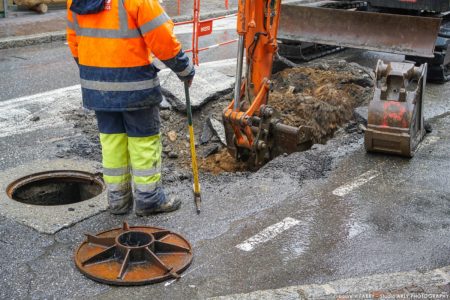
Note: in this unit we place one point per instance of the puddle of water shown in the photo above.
(297, 243)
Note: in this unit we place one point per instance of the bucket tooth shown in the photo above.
(288, 139)
(273, 137)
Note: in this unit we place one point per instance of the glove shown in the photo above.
(190, 78)
(179, 64)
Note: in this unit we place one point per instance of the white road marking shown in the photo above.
(267, 234)
(52, 93)
(359, 181)
(16, 114)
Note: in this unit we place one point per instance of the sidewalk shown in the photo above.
(28, 28)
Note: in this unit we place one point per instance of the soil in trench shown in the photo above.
(319, 96)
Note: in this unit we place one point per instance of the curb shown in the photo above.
(48, 37)
(34, 39)
(401, 285)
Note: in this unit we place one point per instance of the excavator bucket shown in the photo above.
(409, 35)
(395, 121)
(277, 137)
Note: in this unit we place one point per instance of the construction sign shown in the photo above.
(205, 27)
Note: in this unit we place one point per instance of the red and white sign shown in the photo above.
(107, 5)
(205, 28)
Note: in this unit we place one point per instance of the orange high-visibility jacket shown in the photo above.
(112, 42)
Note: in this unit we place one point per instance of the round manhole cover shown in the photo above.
(133, 255)
(56, 187)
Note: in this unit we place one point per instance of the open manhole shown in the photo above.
(56, 187)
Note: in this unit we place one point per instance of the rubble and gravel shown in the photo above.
(320, 96)
(218, 129)
(87, 145)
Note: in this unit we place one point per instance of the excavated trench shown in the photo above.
(320, 95)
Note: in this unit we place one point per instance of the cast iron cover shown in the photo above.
(133, 255)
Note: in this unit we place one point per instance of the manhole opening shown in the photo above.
(135, 239)
(56, 188)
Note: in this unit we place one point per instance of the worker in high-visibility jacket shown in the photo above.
(112, 42)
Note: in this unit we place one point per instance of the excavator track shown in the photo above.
(439, 65)
(304, 52)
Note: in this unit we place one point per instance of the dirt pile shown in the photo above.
(320, 98)
(221, 162)
(212, 155)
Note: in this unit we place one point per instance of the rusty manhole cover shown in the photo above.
(133, 255)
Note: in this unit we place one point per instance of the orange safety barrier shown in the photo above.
(202, 28)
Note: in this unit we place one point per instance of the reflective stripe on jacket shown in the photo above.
(112, 41)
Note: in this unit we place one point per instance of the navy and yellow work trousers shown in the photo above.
(131, 152)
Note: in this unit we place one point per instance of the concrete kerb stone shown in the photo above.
(49, 219)
(34, 39)
(48, 37)
(207, 85)
(353, 288)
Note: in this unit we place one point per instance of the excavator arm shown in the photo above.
(251, 127)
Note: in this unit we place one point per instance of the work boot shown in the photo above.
(171, 204)
(120, 202)
(155, 202)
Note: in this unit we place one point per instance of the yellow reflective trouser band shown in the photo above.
(115, 158)
(145, 155)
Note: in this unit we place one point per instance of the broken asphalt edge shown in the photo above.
(48, 37)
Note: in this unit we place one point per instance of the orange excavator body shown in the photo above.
(249, 122)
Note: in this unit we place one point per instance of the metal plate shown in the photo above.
(133, 255)
(410, 35)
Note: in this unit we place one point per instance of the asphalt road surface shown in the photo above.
(30, 70)
(333, 212)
